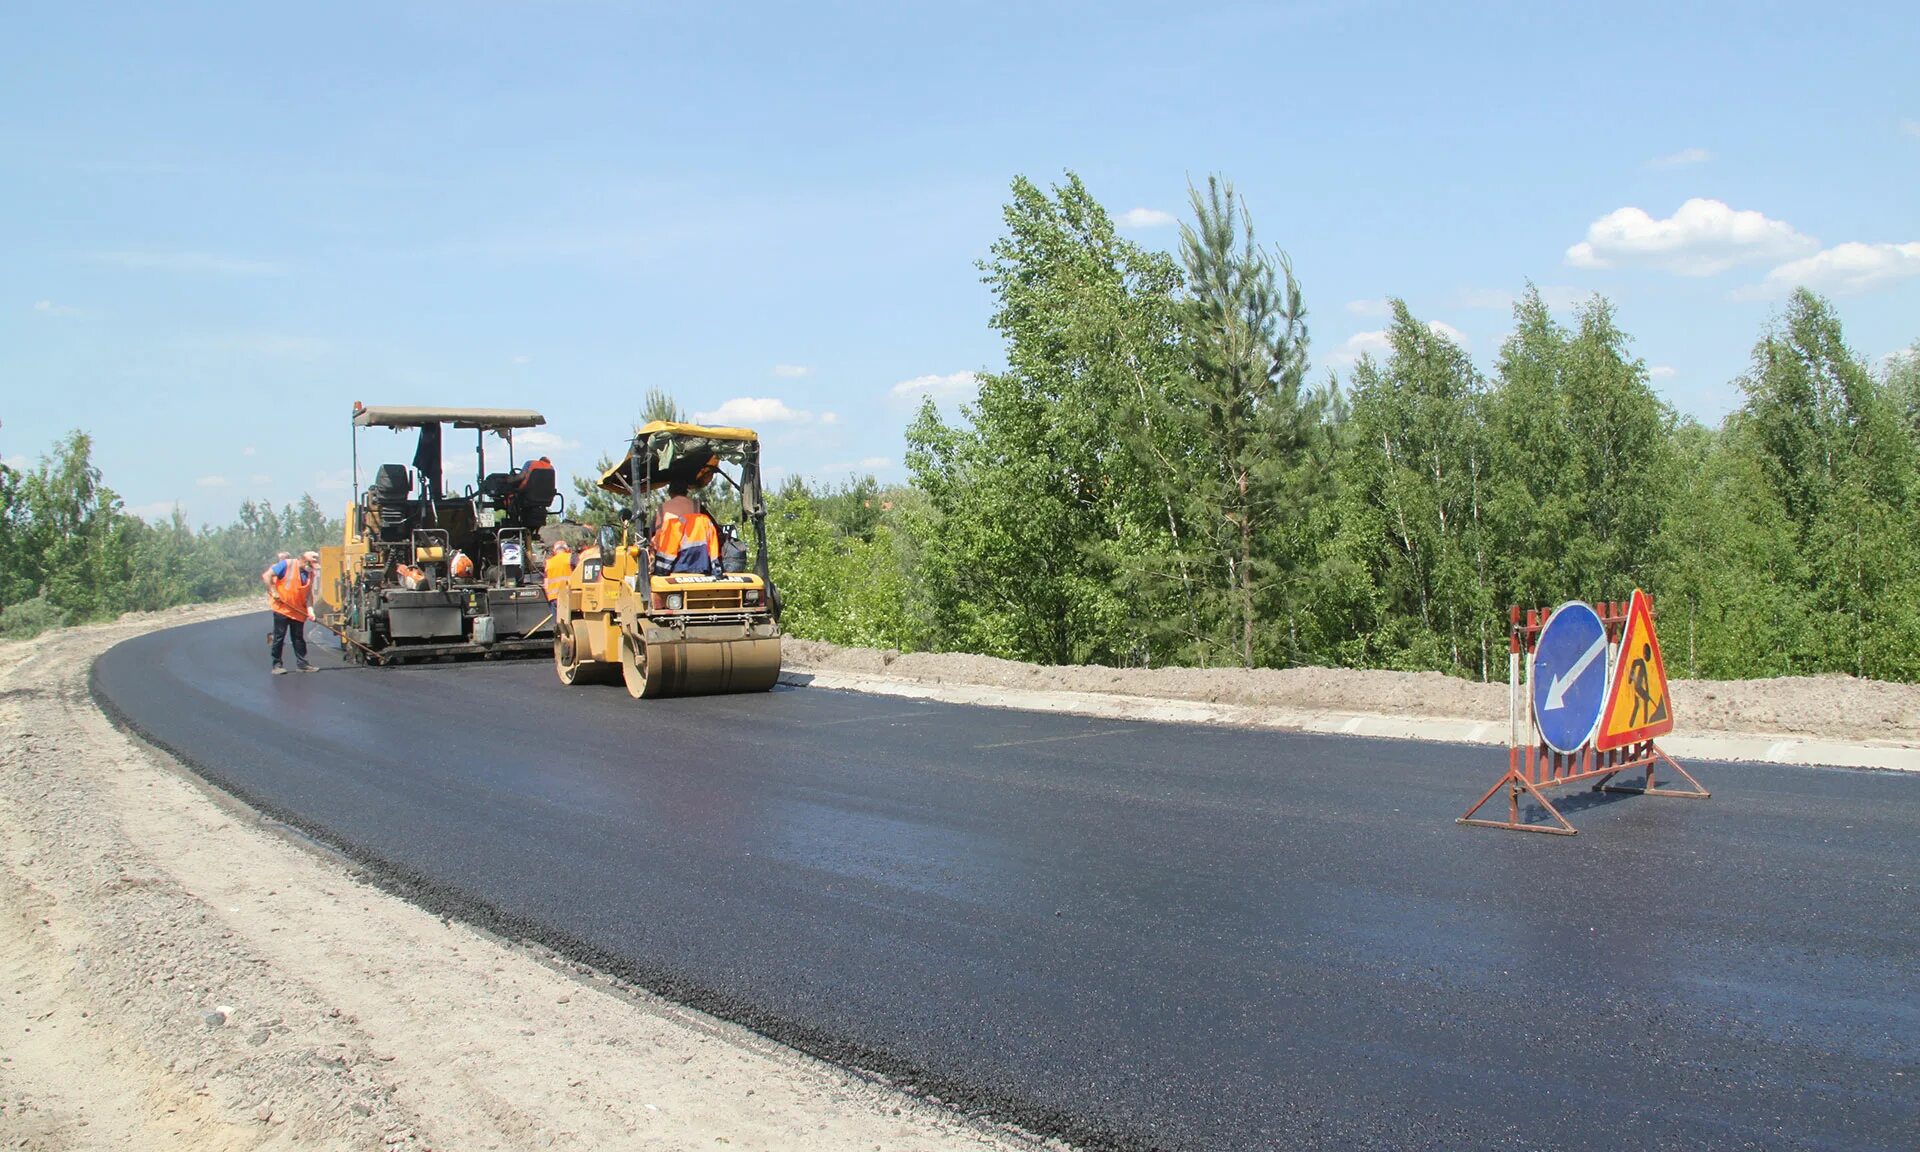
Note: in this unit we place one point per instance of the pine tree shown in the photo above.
(1247, 426)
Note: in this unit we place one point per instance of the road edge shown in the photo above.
(1751, 748)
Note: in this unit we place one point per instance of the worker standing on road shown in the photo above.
(559, 564)
(278, 558)
(290, 587)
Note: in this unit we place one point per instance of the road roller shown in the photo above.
(673, 600)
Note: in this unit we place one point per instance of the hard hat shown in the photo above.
(562, 546)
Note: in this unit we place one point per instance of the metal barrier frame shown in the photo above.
(1532, 766)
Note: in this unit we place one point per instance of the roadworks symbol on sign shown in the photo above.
(1637, 704)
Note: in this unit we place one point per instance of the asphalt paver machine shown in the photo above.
(425, 570)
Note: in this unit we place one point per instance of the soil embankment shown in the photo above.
(1819, 707)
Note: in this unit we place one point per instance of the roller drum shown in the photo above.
(698, 666)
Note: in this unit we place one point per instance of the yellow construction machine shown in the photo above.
(426, 571)
(687, 624)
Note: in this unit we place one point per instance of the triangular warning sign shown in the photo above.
(1637, 704)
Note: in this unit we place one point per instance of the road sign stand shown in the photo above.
(1532, 766)
(1651, 788)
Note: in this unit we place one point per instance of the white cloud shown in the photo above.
(211, 482)
(1845, 270)
(17, 463)
(188, 262)
(333, 480)
(875, 464)
(1910, 127)
(1703, 238)
(1361, 344)
(248, 450)
(1379, 307)
(1662, 371)
(748, 411)
(829, 417)
(1681, 159)
(791, 371)
(1144, 218)
(1376, 344)
(259, 480)
(49, 308)
(521, 361)
(939, 387)
(541, 440)
(158, 510)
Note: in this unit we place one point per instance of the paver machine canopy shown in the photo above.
(430, 567)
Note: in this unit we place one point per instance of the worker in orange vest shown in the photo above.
(684, 536)
(542, 464)
(290, 589)
(559, 566)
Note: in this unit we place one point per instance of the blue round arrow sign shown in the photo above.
(1568, 677)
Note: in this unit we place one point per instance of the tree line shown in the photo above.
(1158, 477)
(70, 552)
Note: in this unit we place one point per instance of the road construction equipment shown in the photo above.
(423, 571)
(674, 633)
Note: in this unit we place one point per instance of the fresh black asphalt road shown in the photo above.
(1125, 934)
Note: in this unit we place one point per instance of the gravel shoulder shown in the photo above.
(1810, 707)
(176, 972)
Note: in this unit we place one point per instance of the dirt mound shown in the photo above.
(1826, 707)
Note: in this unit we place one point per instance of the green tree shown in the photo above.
(20, 568)
(78, 534)
(1828, 439)
(1728, 571)
(591, 505)
(1411, 524)
(1245, 426)
(1042, 522)
(837, 585)
(1533, 502)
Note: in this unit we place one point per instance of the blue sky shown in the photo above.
(222, 224)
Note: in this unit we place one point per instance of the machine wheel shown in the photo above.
(569, 668)
(564, 665)
(633, 668)
(681, 668)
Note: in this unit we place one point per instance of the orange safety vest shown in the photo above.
(290, 591)
(677, 531)
(532, 466)
(559, 566)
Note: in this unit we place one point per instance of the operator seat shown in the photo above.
(528, 503)
(391, 511)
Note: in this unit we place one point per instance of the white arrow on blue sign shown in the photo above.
(1568, 677)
